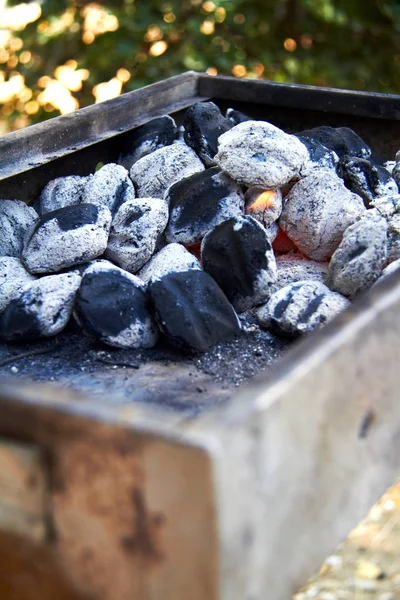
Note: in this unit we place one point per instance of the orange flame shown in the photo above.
(264, 201)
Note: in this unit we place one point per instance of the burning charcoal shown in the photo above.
(13, 279)
(300, 308)
(192, 311)
(258, 154)
(112, 306)
(283, 244)
(66, 237)
(319, 157)
(238, 255)
(204, 123)
(155, 173)
(172, 258)
(359, 259)
(16, 218)
(134, 232)
(200, 202)
(342, 140)
(110, 186)
(236, 116)
(365, 179)
(61, 192)
(147, 138)
(41, 310)
(318, 210)
(263, 205)
(294, 267)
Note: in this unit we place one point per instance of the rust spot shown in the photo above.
(144, 540)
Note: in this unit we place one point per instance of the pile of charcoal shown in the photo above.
(196, 224)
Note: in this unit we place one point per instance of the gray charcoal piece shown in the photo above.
(172, 258)
(317, 211)
(147, 138)
(155, 173)
(294, 267)
(67, 237)
(200, 202)
(387, 206)
(393, 239)
(204, 124)
(134, 232)
(396, 171)
(258, 154)
(16, 220)
(360, 257)
(110, 186)
(43, 308)
(272, 231)
(300, 308)
(61, 192)
(13, 279)
(366, 179)
(389, 165)
(393, 267)
(263, 205)
(319, 157)
(112, 306)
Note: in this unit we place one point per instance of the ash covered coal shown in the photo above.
(166, 254)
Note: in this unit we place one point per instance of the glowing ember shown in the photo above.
(263, 205)
(264, 201)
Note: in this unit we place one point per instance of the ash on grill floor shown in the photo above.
(158, 376)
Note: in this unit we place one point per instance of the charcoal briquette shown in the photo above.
(393, 239)
(61, 192)
(110, 186)
(319, 157)
(294, 266)
(342, 140)
(204, 123)
(147, 138)
(366, 179)
(16, 220)
(237, 116)
(13, 279)
(393, 267)
(263, 205)
(172, 258)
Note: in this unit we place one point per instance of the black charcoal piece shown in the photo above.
(204, 123)
(341, 140)
(200, 202)
(61, 192)
(147, 138)
(236, 116)
(300, 308)
(258, 154)
(112, 306)
(66, 237)
(155, 173)
(110, 186)
(41, 310)
(16, 219)
(134, 232)
(365, 179)
(317, 211)
(13, 279)
(172, 258)
(192, 311)
(360, 257)
(263, 205)
(319, 157)
(238, 255)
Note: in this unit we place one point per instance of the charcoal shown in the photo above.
(342, 140)
(134, 232)
(273, 231)
(112, 306)
(66, 237)
(155, 173)
(16, 219)
(238, 255)
(61, 192)
(204, 123)
(42, 309)
(200, 202)
(263, 205)
(258, 154)
(192, 311)
(300, 308)
(396, 170)
(319, 157)
(110, 186)
(172, 258)
(236, 116)
(294, 267)
(365, 179)
(389, 165)
(147, 138)
(360, 257)
(317, 211)
(13, 279)
(387, 206)
(393, 239)
(387, 271)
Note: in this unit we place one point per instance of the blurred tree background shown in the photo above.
(59, 55)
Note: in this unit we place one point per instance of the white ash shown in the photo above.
(13, 279)
(16, 219)
(317, 211)
(393, 239)
(360, 257)
(67, 237)
(155, 173)
(294, 267)
(60, 192)
(387, 271)
(172, 258)
(300, 308)
(263, 205)
(387, 206)
(134, 232)
(110, 186)
(389, 166)
(258, 154)
(319, 157)
(43, 309)
(396, 170)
